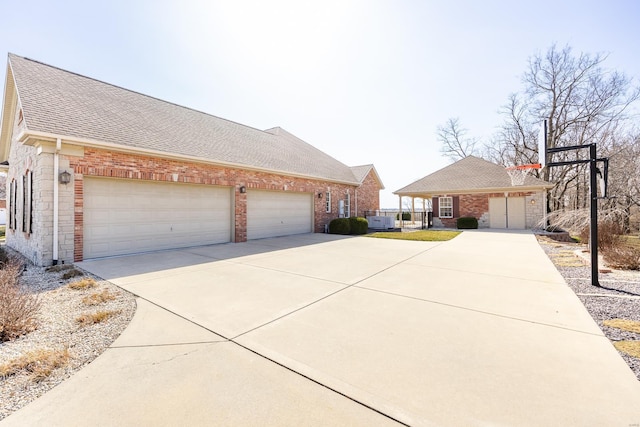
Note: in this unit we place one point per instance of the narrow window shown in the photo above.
(446, 207)
(328, 202)
(12, 204)
(28, 202)
(348, 206)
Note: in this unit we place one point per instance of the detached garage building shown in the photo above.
(473, 187)
(95, 170)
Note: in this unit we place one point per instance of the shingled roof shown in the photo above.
(469, 175)
(65, 104)
(361, 172)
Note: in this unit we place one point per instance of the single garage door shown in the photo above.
(507, 212)
(278, 213)
(124, 216)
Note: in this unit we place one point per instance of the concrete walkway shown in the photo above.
(325, 330)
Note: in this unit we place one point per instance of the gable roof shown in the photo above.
(361, 172)
(469, 175)
(59, 103)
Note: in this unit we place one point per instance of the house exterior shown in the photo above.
(96, 170)
(473, 187)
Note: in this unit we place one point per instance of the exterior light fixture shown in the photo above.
(64, 177)
(243, 189)
(320, 195)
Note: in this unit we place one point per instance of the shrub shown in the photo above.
(4, 258)
(406, 216)
(340, 226)
(358, 225)
(466, 223)
(18, 308)
(609, 234)
(622, 256)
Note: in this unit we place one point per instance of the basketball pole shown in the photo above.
(593, 229)
(593, 206)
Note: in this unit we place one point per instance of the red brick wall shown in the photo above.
(368, 194)
(104, 163)
(476, 205)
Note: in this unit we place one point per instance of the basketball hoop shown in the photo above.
(519, 173)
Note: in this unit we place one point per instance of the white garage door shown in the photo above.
(124, 216)
(277, 213)
(507, 213)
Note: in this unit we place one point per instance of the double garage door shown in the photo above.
(126, 216)
(507, 212)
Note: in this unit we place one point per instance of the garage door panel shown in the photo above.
(272, 213)
(124, 216)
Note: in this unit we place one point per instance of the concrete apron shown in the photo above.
(323, 330)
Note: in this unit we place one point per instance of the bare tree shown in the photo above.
(455, 144)
(583, 103)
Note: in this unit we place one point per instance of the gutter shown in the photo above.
(25, 137)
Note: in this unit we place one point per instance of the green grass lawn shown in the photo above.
(421, 236)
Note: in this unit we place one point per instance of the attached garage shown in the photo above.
(126, 216)
(278, 213)
(507, 212)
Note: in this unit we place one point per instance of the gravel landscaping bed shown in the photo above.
(59, 329)
(617, 298)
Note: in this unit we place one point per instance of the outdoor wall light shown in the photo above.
(533, 201)
(64, 177)
(243, 189)
(320, 195)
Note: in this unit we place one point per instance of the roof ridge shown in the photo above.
(134, 92)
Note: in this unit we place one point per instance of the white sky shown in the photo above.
(364, 81)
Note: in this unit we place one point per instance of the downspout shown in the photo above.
(56, 165)
(356, 196)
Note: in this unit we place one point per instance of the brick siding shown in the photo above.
(102, 163)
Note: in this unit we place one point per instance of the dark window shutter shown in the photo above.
(456, 206)
(435, 207)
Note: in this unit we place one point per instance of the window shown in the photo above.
(13, 191)
(27, 198)
(347, 206)
(328, 202)
(446, 207)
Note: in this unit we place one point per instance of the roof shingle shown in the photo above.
(469, 174)
(67, 104)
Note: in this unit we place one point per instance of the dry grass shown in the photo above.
(82, 284)
(88, 319)
(98, 298)
(566, 259)
(18, 308)
(632, 348)
(38, 363)
(625, 325)
(72, 273)
(59, 267)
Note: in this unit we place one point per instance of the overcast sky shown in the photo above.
(364, 81)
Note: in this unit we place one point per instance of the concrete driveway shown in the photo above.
(325, 330)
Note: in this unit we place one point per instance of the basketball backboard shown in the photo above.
(542, 144)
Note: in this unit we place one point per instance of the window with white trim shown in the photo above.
(445, 205)
(328, 202)
(347, 206)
